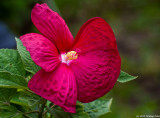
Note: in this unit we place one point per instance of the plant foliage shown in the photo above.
(17, 101)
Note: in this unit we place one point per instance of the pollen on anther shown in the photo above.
(69, 56)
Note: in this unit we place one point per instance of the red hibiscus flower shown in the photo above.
(83, 69)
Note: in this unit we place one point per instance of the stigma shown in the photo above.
(69, 56)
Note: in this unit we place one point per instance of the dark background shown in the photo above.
(136, 24)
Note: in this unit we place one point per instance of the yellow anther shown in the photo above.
(71, 55)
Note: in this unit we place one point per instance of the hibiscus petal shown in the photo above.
(98, 64)
(58, 87)
(42, 51)
(52, 26)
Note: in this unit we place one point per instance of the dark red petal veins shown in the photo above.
(98, 64)
(52, 26)
(42, 51)
(58, 87)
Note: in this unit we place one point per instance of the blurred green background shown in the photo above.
(136, 24)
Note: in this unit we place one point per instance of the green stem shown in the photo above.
(42, 109)
(50, 107)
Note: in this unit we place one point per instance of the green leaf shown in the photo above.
(29, 65)
(11, 115)
(31, 99)
(57, 113)
(80, 111)
(6, 94)
(98, 107)
(125, 77)
(7, 108)
(11, 62)
(16, 100)
(9, 111)
(7, 80)
(25, 99)
(18, 115)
